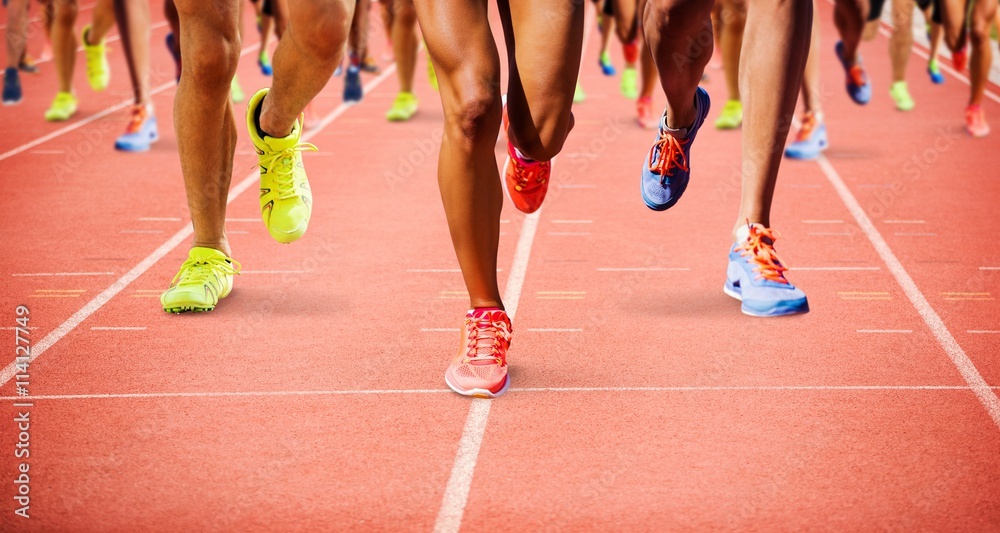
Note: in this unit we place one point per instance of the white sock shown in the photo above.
(743, 232)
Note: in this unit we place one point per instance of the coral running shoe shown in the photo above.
(960, 59)
(98, 70)
(810, 141)
(665, 171)
(285, 196)
(858, 86)
(975, 121)
(757, 277)
(644, 113)
(525, 181)
(480, 368)
(205, 278)
(141, 131)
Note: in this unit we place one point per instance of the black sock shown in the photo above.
(256, 118)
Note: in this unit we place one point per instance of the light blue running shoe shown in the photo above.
(666, 170)
(140, 133)
(757, 277)
(810, 141)
(859, 88)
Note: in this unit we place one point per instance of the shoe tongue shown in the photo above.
(487, 313)
(201, 253)
(278, 144)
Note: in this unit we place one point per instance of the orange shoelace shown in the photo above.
(488, 340)
(760, 249)
(138, 117)
(809, 124)
(671, 156)
(857, 74)
(523, 174)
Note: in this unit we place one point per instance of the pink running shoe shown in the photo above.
(480, 368)
(975, 121)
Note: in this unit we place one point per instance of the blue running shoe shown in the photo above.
(140, 133)
(11, 87)
(352, 84)
(757, 277)
(858, 86)
(607, 68)
(935, 72)
(810, 141)
(264, 63)
(176, 54)
(666, 170)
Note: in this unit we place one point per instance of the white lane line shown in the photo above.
(822, 221)
(46, 274)
(983, 331)
(643, 269)
(92, 306)
(989, 268)
(375, 392)
(456, 492)
(572, 221)
(160, 219)
(846, 269)
(83, 122)
(555, 330)
(118, 328)
(944, 337)
(885, 331)
(242, 220)
(427, 330)
(904, 221)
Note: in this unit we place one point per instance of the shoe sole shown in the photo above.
(187, 308)
(779, 310)
(479, 393)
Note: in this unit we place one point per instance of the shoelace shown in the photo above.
(760, 249)
(138, 117)
(808, 125)
(485, 339)
(671, 156)
(523, 176)
(196, 272)
(858, 75)
(283, 172)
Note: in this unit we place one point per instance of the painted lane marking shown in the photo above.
(989, 268)
(560, 295)
(862, 295)
(453, 295)
(983, 331)
(966, 296)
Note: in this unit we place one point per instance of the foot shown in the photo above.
(524, 180)
(204, 279)
(285, 196)
(810, 141)
(578, 95)
(858, 86)
(731, 116)
(934, 71)
(403, 108)
(644, 113)
(264, 62)
(12, 93)
(975, 121)
(901, 95)
(629, 85)
(666, 170)
(63, 107)
(235, 91)
(604, 61)
(98, 70)
(352, 84)
(141, 131)
(175, 52)
(756, 276)
(480, 368)
(369, 65)
(27, 65)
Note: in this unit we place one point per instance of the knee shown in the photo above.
(475, 114)
(321, 29)
(979, 32)
(542, 140)
(406, 12)
(211, 64)
(660, 12)
(65, 12)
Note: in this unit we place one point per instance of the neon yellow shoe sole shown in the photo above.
(204, 278)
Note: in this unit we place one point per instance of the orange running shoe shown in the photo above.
(644, 113)
(480, 368)
(525, 181)
(975, 121)
(960, 59)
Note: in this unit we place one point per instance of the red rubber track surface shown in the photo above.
(313, 398)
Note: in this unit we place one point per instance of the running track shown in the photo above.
(313, 399)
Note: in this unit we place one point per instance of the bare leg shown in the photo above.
(670, 26)
(849, 17)
(17, 31)
(405, 42)
(810, 79)
(983, 14)
(734, 19)
(102, 22)
(64, 42)
(901, 42)
(134, 24)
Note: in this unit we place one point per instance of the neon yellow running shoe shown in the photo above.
(98, 70)
(204, 279)
(901, 95)
(63, 107)
(731, 116)
(285, 196)
(629, 86)
(431, 74)
(403, 108)
(235, 91)
(578, 95)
